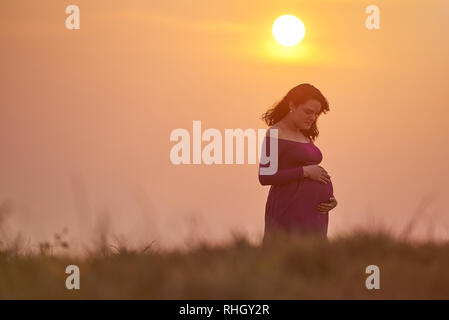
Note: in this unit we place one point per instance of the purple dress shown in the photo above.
(293, 200)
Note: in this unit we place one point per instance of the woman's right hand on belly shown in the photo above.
(316, 172)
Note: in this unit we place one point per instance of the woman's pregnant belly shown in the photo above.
(316, 192)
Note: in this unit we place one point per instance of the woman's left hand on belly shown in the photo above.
(324, 207)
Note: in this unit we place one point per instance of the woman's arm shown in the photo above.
(281, 176)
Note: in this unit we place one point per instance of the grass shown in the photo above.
(287, 268)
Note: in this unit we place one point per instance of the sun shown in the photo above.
(288, 30)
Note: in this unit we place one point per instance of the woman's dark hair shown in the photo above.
(298, 95)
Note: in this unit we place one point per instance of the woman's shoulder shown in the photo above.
(271, 130)
(274, 132)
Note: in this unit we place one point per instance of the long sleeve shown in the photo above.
(281, 176)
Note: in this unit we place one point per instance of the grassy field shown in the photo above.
(289, 268)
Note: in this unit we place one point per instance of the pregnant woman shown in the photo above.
(301, 192)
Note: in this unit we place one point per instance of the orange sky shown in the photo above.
(96, 106)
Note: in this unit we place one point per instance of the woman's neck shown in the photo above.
(289, 126)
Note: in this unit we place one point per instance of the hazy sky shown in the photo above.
(86, 115)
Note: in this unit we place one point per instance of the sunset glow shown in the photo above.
(86, 114)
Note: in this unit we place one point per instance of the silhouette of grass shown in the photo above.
(286, 267)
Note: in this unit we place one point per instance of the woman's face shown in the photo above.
(304, 115)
